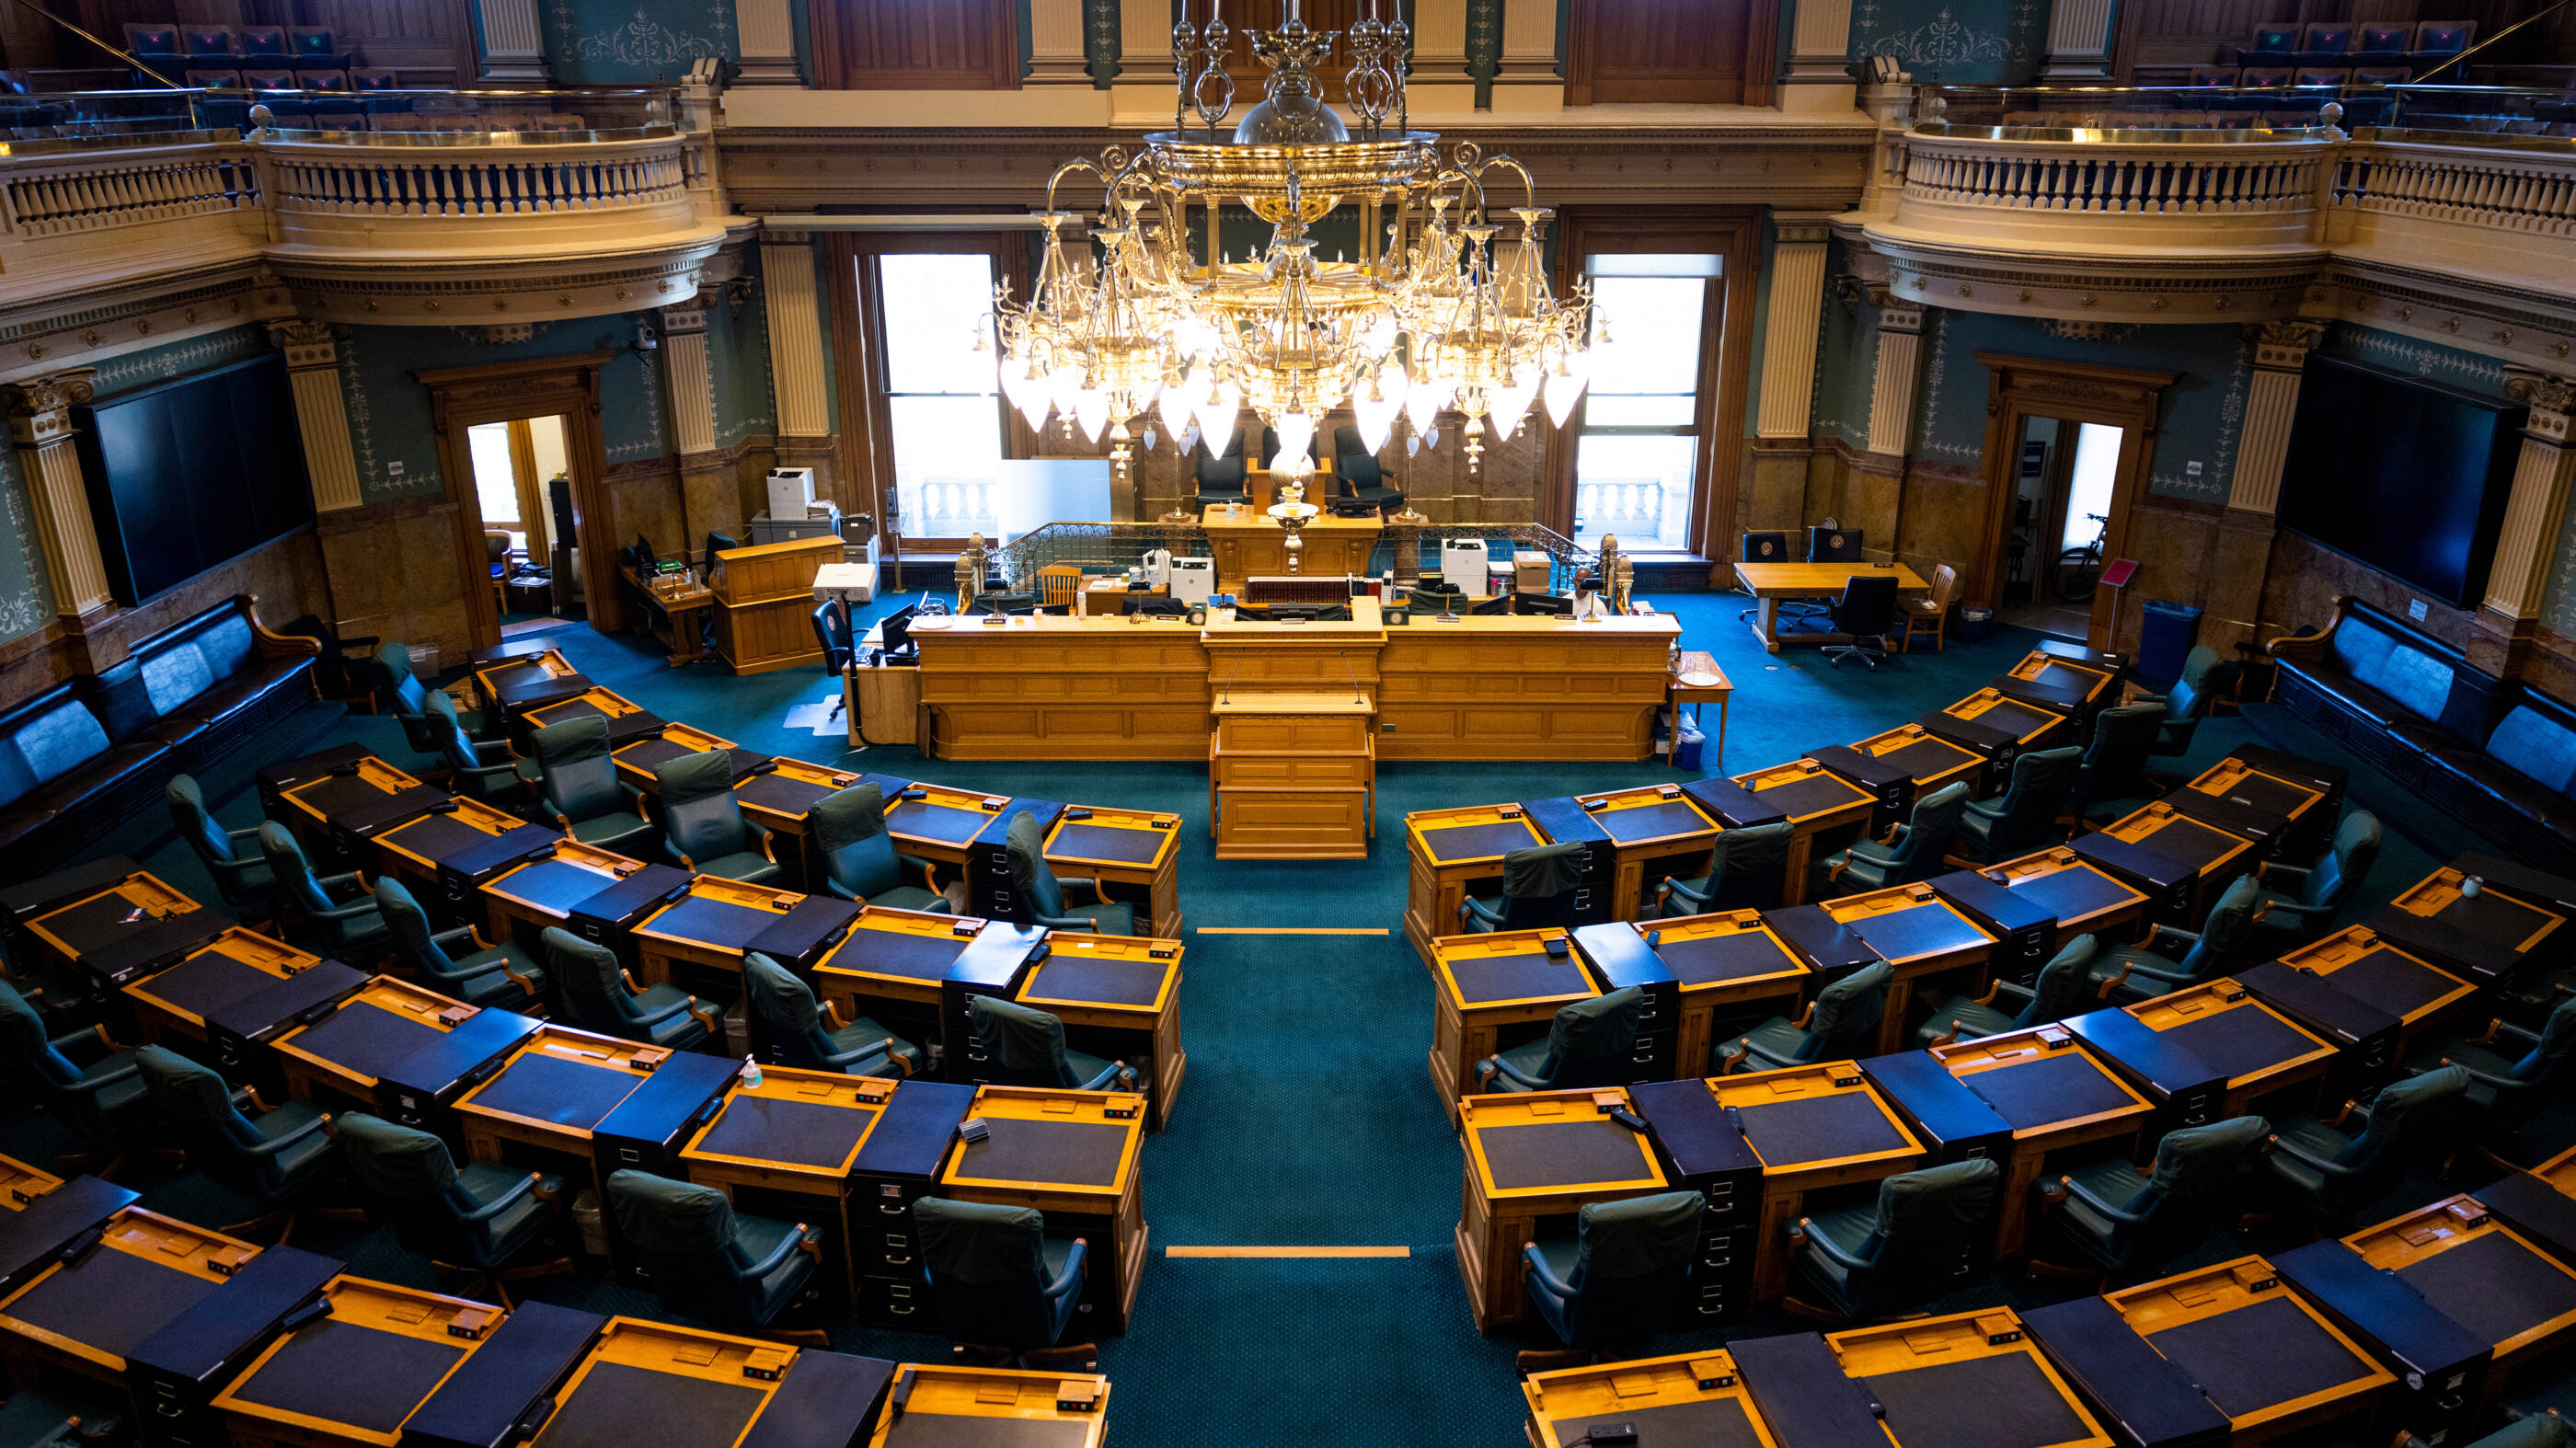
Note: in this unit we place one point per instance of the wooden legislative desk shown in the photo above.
(1254, 546)
(1504, 687)
(764, 597)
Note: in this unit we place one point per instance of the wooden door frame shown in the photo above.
(1734, 234)
(823, 29)
(566, 387)
(1761, 52)
(2021, 388)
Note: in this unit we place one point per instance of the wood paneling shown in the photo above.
(383, 33)
(917, 44)
(1713, 52)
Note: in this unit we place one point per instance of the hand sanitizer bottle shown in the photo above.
(751, 1072)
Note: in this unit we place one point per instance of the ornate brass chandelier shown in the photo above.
(1442, 310)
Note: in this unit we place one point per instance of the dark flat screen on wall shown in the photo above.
(191, 473)
(2408, 476)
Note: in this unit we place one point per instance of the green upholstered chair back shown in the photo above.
(2200, 1172)
(2040, 779)
(660, 1215)
(1846, 1010)
(1588, 1041)
(210, 843)
(403, 688)
(2115, 763)
(2060, 990)
(2228, 932)
(700, 817)
(194, 1096)
(589, 975)
(2557, 1042)
(1026, 1044)
(2190, 697)
(1941, 1203)
(579, 778)
(447, 733)
(1352, 461)
(848, 827)
(2356, 849)
(1934, 822)
(1631, 1261)
(293, 873)
(1748, 868)
(2539, 1430)
(1542, 872)
(2408, 1113)
(981, 1243)
(790, 1011)
(1031, 876)
(409, 926)
(398, 1163)
(22, 1035)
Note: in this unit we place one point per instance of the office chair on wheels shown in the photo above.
(1618, 1280)
(1867, 612)
(2285, 919)
(488, 975)
(600, 996)
(1839, 1022)
(702, 824)
(2058, 993)
(578, 790)
(860, 861)
(813, 1036)
(471, 1220)
(1586, 1045)
(2025, 816)
(1000, 1285)
(275, 1158)
(1747, 870)
(1024, 1046)
(832, 636)
(241, 876)
(1536, 879)
(2508, 1068)
(1771, 547)
(712, 1264)
(1360, 473)
(2126, 1222)
(2323, 1171)
(1913, 852)
(1888, 1257)
(87, 1083)
(2224, 940)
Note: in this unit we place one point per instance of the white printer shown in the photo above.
(1462, 565)
(1193, 579)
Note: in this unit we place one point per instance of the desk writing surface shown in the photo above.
(1921, 754)
(1647, 816)
(2162, 831)
(236, 966)
(2009, 717)
(127, 924)
(1550, 1141)
(1458, 837)
(1804, 790)
(1945, 1383)
(1908, 922)
(471, 837)
(2357, 962)
(1794, 1131)
(2073, 892)
(2237, 1039)
(1705, 950)
(1691, 1400)
(1098, 970)
(2495, 1285)
(1135, 839)
(807, 1119)
(563, 1078)
(2489, 915)
(948, 1407)
(2265, 1354)
(1083, 1141)
(620, 1405)
(2039, 1089)
(701, 917)
(942, 816)
(780, 792)
(1511, 967)
(555, 886)
(2240, 784)
(374, 1030)
(145, 1271)
(379, 1354)
(904, 944)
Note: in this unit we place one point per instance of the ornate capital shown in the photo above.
(2551, 398)
(1895, 313)
(39, 409)
(689, 316)
(1796, 227)
(307, 344)
(2284, 343)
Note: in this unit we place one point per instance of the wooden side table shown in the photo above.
(1694, 665)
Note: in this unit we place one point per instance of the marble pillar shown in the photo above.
(1900, 371)
(40, 426)
(2241, 557)
(1789, 344)
(321, 410)
(710, 496)
(1819, 77)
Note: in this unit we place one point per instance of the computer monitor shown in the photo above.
(897, 633)
(1500, 603)
(1157, 606)
(1553, 604)
(644, 559)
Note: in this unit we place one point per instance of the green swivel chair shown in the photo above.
(702, 824)
(711, 1264)
(2024, 817)
(601, 996)
(1586, 1045)
(812, 1036)
(2059, 992)
(2224, 941)
(81, 1079)
(1360, 473)
(578, 790)
(2109, 1217)
(1023, 1046)
(1619, 1279)
(2114, 766)
(1912, 851)
(1219, 477)
(472, 1220)
(241, 876)
(1841, 1021)
(2287, 918)
(1041, 891)
(2505, 1089)
(483, 770)
(2325, 1172)
(1535, 880)
(1000, 1285)
(400, 693)
(2185, 706)
(275, 1157)
(1889, 1257)
(353, 929)
(1747, 870)
(487, 975)
(860, 861)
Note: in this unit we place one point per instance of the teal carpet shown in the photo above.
(1307, 1118)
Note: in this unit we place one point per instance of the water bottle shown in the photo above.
(751, 1072)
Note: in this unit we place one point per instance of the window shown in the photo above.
(1636, 435)
(942, 390)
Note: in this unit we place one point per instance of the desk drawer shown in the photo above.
(1331, 771)
(901, 1302)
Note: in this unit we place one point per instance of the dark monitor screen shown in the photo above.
(1547, 603)
(1500, 603)
(897, 629)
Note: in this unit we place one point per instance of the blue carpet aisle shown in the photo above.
(1308, 1119)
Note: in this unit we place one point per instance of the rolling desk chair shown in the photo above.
(1619, 1280)
(352, 931)
(2326, 1173)
(472, 1220)
(1533, 877)
(2504, 1089)
(702, 824)
(1362, 476)
(860, 861)
(2024, 817)
(1747, 870)
(1270, 449)
(600, 996)
(2129, 1225)
(399, 692)
(1915, 852)
(275, 1157)
(1000, 1285)
(2114, 766)
(1771, 548)
(483, 770)
(1037, 884)
(1219, 478)
(241, 878)
(1841, 1021)
(2058, 993)
(1890, 1257)
(2224, 941)
(1831, 542)
(490, 975)
(709, 1263)
(579, 791)
(82, 1080)
(2185, 705)
(1024, 1046)
(812, 1036)
(2287, 919)
(1866, 611)
(832, 636)
(720, 543)
(1586, 1045)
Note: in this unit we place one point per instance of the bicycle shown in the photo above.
(2079, 569)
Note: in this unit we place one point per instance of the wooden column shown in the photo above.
(1527, 79)
(767, 33)
(2525, 545)
(1789, 345)
(321, 410)
(710, 498)
(40, 425)
(788, 288)
(2241, 564)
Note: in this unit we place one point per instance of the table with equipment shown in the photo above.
(240, 989)
(709, 926)
(637, 761)
(944, 1407)
(2360, 964)
(2206, 1052)
(2259, 1353)
(1923, 935)
(1450, 851)
(933, 822)
(397, 1050)
(764, 602)
(786, 1148)
(450, 852)
(657, 1382)
(893, 965)
(2179, 863)
(1812, 1127)
(2000, 729)
(1973, 1378)
(2488, 1277)
(1536, 1155)
(2487, 931)
(1488, 984)
(1688, 1400)
(1927, 761)
(1771, 582)
(1137, 851)
(552, 1090)
(522, 904)
(673, 610)
(1655, 830)
(1698, 681)
(1119, 996)
(1817, 803)
(122, 931)
(334, 817)
(1073, 1156)
(776, 795)
(1254, 546)
(1728, 966)
(353, 1373)
(2054, 681)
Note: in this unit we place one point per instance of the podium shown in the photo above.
(1293, 776)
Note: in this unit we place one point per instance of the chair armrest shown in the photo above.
(117, 1077)
(1876, 852)
(2084, 1194)
(1806, 1232)
(841, 890)
(1497, 1066)
(657, 1017)
(442, 938)
(2508, 1028)
(272, 1148)
(2500, 1083)
(481, 746)
(1098, 895)
(363, 905)
(85, 1039)
(1989, 809)
(251, 834)
(1118, 1071)
(1074, 1265)
(842, 1061)
(503, 1202)
(2296, 872)
(1682, 888)
(1554, 1285)
(779, 1254)
(917, 863)
(1470, 908)
(1765, 1057)
(2318, 1162)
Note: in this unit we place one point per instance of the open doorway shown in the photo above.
(2064, 475)
(2053, 513)
(523, 480)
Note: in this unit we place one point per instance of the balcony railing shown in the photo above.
(2041, 188)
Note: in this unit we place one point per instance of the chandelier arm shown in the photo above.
(1078, 163)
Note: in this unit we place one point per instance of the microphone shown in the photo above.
(1357, 696)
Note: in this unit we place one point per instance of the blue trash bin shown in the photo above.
(1972, 624)
(2166, 633)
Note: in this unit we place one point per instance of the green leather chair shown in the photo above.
(2286, 918)
(2544, 1429)
(709, 1263)
(1885, 1258)
(1913, 850)
(1840, 1022)
(275, 1157)
(1219, 477)
(487, 975)
(400, 693)
(702, 824)
(2114, 766)
(241, 876)
(811, 1036)
(600, 996)
(578, 790)
(1535, 878)
(2024, 817)
(1620, 1278)
(2505, 1088)
(860, 861)
(2185, 706)
(2326, 1172)
(1041, 890)
(353, 930)
(82, 1080)
(1747, 870)
(483, 770)
(999, 1284)
(1359, 472)
(2059, 992)
(2224, 941)
(1023, 1046)
(1586, 1045)
(473, 1219)
(2130, 1224)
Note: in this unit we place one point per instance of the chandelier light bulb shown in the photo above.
(1091, 411)
(1220, 414)
(1296, 435)
(1562, 390)
(1176, 406)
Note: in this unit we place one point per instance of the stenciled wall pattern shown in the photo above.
(1953, 41)
(1846, 362)
(622, 42)
(26, 594)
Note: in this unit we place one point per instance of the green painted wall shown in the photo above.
(597, 42)
(1958, 42)
(1846, 363)
(738, 352)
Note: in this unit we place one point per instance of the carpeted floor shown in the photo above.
(1308, 1118)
